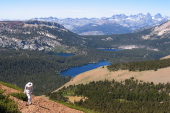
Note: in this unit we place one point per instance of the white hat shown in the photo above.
(29, 84)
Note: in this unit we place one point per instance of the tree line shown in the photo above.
(141, 66)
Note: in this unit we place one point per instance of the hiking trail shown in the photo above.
(39, 104)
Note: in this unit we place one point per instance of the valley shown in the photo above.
(26, 47)
(84, 56)
(28, 52)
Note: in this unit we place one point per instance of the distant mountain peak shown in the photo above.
(158, 15)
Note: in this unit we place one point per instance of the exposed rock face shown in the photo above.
(162, 31)
(33, 35)
(37, 43)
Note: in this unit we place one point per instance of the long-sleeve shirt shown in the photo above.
(28, 89)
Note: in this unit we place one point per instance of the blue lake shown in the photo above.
(80, 69)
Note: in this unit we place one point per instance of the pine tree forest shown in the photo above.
(128, 96)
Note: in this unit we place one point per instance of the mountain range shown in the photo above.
(51, 36)
(155, 38)
(117, 24)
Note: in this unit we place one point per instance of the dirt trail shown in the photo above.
(40, 104)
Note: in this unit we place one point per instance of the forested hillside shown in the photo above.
(21, 67)
(141, 66)
(118, 40)
(131, 96)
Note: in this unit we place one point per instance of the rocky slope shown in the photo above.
(161, 31)
(36, 35)
(40, 104)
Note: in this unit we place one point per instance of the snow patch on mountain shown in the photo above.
(133, 22)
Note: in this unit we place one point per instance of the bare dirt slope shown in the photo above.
(166, 57)
(159, 76)
(40, 104)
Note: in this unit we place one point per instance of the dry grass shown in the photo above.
(73, 99)
(159, 76)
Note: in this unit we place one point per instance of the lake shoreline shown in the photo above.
(80, 69)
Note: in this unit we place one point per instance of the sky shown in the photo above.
(27, 9)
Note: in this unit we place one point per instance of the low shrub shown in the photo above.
(20, 96)
(7, 105)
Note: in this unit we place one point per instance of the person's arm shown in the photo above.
(25, 89)
(31, 90)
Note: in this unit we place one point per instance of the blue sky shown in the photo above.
(26, 9)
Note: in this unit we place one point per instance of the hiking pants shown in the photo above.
(29, 98)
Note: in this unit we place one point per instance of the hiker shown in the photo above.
(28, 91)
